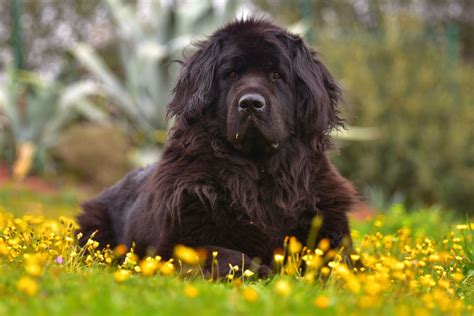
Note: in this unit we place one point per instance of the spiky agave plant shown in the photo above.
(150, 35)
(34, 111)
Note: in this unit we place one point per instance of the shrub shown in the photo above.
(422, 103)
(33, 113)
(95, 154)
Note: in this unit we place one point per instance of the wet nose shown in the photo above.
(251, 102)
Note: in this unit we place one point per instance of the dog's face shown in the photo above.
(260, 86)
(255, 99)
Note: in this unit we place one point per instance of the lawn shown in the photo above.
(419, 262)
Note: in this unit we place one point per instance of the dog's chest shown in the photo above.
(258, 205)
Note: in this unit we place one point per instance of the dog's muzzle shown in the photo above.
(251, 102)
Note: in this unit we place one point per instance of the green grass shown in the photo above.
(82, 289)
(18, 200)
(94, 292)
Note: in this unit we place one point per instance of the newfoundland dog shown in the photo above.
(245, 164)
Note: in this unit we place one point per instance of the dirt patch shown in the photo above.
(32, 183)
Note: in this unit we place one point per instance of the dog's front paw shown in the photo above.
(263, 271)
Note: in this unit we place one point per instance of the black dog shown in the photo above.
(245, 163)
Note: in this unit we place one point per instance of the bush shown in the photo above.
(95, 154)
(422, 103)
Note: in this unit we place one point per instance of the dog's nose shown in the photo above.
(251, 102)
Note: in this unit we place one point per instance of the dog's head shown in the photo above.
(261, 86)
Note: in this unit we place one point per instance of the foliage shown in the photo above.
(406, 272)
(147, 45)
(34, 111)
(422, 105)
(457, 16)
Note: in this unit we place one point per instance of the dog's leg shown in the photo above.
(95, 223)
(336, 229)
(193, 233)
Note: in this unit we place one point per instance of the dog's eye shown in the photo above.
(276, 75)
(232, 75)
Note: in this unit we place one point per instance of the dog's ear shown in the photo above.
(193, 89)
(317, 94)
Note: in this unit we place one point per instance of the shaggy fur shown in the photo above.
(236, 177)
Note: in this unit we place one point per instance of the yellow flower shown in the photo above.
(186, 254)
(234, 268)
(89, 260)
(324, 244)
(191, 291)
(321, 301)
(355, 257)
(427, 280)
(309, 277)
(121, 275)
(120, 250)
(27, 285)
(373, 288)
(313, 261)
(79, 236)
(421, 311)
(167, 268)
(282, 288)
(237, 282)
(248, 273)
(443, 283)
(397, 266)
(462, 227)
(149, 266)
(250, 294)
(131, 259)
(34, 263)
(294, 246)
(325, 271)
(434, 258)
(458, 277)
(291, 267)
(3, 248)
(278, 258)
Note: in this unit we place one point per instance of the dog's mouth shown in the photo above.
(252, 138)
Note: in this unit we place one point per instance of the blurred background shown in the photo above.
(84, 85)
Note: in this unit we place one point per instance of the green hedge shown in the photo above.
(402, 81)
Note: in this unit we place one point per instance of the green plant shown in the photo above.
(146, 47)
(402, 81)
(34, 111)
